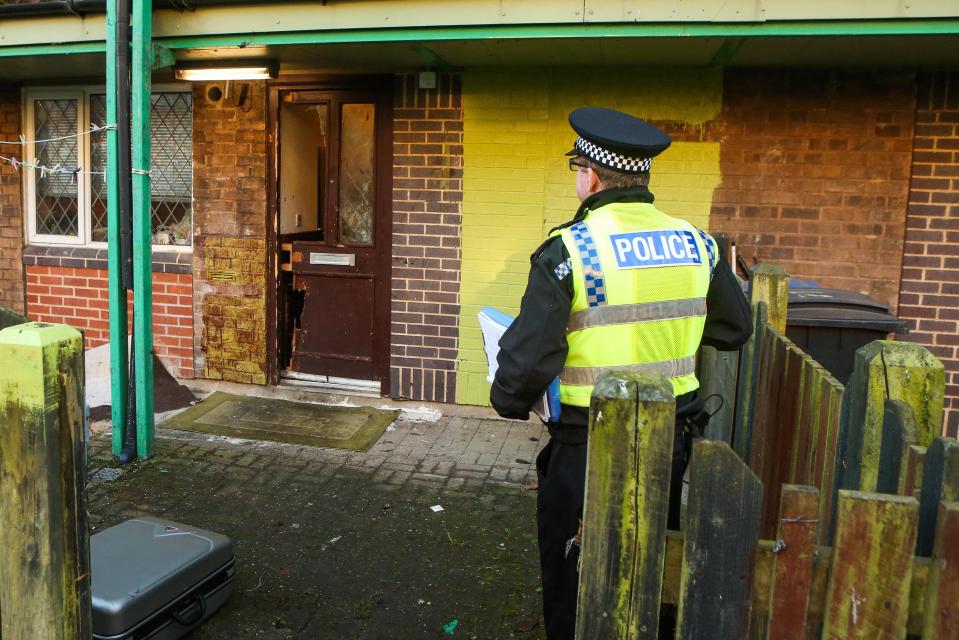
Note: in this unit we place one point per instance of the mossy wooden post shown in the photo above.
(722, 530)
(769, 284)
(898, 435)
(942, 591)
(44, 549)
(871, 572)
(940, 481)
(897, 371)
(632, 420)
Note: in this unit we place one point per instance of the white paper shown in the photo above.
(493, 330)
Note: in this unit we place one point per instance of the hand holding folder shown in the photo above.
(493, 324)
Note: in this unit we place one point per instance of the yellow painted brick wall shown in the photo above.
(232, 308)
(516, 184)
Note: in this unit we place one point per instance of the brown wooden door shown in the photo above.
(334, 206)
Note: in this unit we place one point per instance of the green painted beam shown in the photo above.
(807, 28)
(638, 30)
(726, 51)
(141, 72)
(55, 49)
(162, 57)
(119, 356)
(431, 58)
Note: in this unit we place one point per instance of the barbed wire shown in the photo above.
(57, 169)
(95, 128)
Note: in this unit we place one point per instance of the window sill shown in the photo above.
(172, 259)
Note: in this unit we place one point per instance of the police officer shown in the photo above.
(621, 285)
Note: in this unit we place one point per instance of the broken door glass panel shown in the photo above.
(303, 143)
(356, 174)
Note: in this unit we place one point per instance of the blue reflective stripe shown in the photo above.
(592, 270)
(710, 252)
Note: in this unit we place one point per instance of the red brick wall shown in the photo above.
(427, 194)
(79, 297)
(815, 173)
(11, 219)
(930, 267)
(229, 248)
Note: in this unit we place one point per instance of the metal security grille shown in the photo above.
(56, 193)
(171, 178)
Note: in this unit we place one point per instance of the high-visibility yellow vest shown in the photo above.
(640, 280)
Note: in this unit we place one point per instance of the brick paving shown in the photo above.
(342, 544)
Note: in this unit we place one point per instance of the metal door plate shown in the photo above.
(343, 259)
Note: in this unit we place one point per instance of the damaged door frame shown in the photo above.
(384, 190)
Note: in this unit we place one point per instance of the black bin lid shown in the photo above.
(821, 307)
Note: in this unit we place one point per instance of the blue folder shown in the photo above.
(503, 321)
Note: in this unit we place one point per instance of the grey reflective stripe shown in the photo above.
(668, 368)
(640, 312)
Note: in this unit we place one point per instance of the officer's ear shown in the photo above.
(593, 183)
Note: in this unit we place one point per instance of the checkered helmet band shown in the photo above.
(611, 159)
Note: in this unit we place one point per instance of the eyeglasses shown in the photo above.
(577, 166)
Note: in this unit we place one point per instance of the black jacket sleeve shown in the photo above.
(533, 349)
(729, 319)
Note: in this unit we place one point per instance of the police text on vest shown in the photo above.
(666, 248)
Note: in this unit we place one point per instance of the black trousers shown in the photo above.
(561, 468)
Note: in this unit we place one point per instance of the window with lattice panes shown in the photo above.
(69, 205)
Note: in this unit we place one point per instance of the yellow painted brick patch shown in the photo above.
(234, 338)
(517, 185)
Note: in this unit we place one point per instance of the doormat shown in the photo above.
(225, 414)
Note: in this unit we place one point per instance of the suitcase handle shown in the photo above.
(191, 612)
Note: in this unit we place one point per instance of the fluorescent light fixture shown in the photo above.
(227, 70)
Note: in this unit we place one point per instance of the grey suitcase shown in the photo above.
(157, 579)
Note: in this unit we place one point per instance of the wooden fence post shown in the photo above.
(911, 478)
(868, 592)
(942, 590)
(795, 549)
(882, 370)
(770, 284)
(632, 420)
(722, 531)
(44, 549)
(769, 291)
(898, 435)
(718, 373)
(940, 481)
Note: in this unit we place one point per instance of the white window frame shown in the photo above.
(30, 175)
(84, 190)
